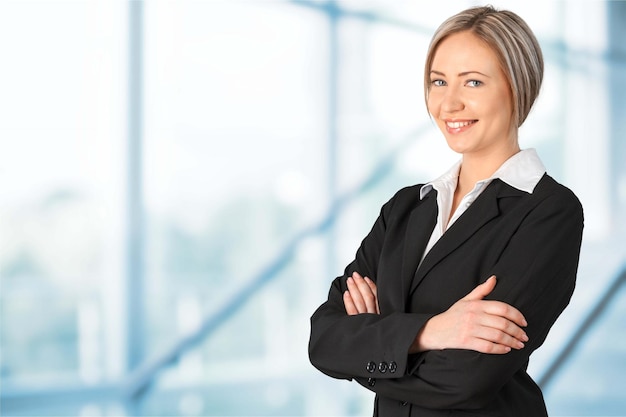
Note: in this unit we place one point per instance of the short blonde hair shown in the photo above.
(513, 43)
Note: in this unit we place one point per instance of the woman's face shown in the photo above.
(470, 98)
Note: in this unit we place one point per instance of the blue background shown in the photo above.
(180, 181)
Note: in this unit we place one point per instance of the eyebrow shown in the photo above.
(461, 74)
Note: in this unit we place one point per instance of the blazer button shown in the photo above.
(371, 381)
(382, 367)
(393, 367)
(404, 403)
(371, 367)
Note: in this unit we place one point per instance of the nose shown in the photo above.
(452, 101)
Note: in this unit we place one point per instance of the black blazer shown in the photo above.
(531, 242)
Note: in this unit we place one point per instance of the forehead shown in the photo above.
(462, 52)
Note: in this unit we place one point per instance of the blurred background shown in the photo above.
(180, 181)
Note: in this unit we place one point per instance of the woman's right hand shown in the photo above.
(361, 296)
(475, 324)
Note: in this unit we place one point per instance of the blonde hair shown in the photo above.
(511, 40)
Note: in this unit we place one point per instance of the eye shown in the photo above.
(474, 83)
(438, 83)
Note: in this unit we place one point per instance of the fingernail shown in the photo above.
(525, 337)
(524, 322)
(520, 345)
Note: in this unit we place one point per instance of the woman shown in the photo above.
(460, 279)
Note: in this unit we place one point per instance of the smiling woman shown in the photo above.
(470, 99)
(461, 278)
(513, 45)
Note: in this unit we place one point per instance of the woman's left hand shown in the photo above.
(361, 296)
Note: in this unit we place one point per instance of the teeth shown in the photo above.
(456, 125)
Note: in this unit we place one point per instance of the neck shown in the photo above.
(478, 167)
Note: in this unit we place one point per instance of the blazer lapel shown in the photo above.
(420, 227)
(477, 215)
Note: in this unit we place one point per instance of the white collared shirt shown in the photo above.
(522, 171)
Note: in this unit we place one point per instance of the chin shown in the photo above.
(457, 147)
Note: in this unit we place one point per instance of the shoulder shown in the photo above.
(402, 202)
(408, 194)
(406, 197)
(554, 196)
(548, 187)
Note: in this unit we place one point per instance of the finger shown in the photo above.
(482, 290)
(348, 303)
(374, 289)
(506, 326)
(499, 337)
(485, 346)
(507, 311)
(372, 285)
(367, 295)
(479, 319)
(356, 296)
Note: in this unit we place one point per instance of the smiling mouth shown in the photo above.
(458, 125)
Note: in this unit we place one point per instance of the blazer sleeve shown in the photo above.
(536, 274)
(363, 345)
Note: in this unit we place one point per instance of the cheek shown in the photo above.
(502, 106)
(504, 113)
(477, 106)
(487, 108)
(432, 105)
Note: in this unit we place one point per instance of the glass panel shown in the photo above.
(61, 193)
(599, 362)
(257, 116)
(236, 164)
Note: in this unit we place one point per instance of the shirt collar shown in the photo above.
(447, 180)
(521, 171)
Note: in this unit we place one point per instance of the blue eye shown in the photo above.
(474, 83)
(438, 83)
